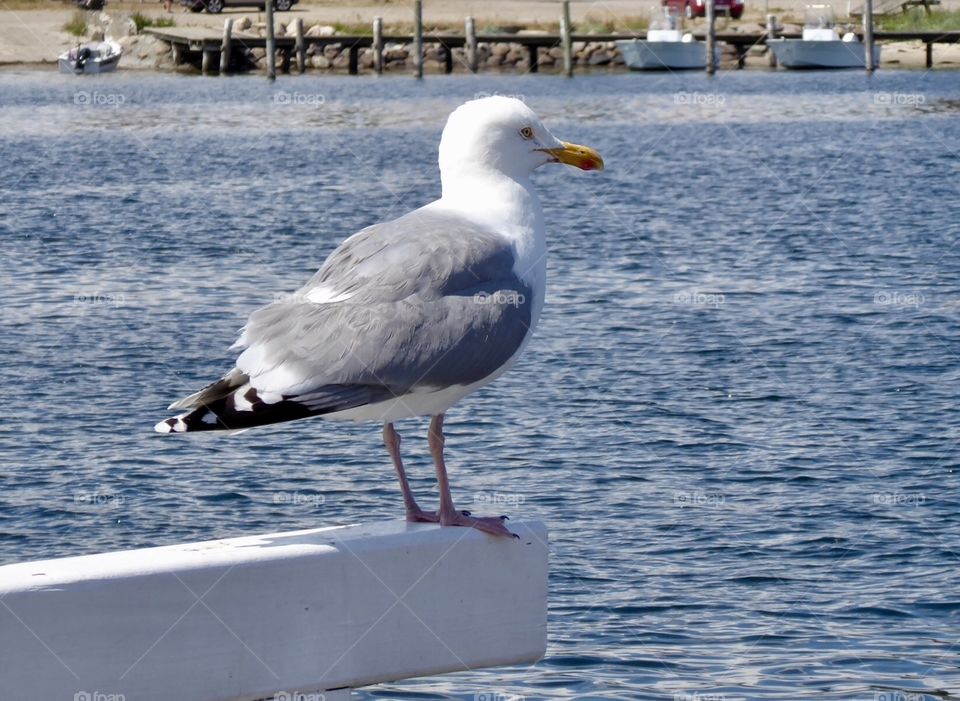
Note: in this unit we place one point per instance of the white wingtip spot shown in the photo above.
(179, 426)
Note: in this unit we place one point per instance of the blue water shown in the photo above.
(738, 417)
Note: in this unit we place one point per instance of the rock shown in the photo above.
(331, 51)
(556, 53)
(397, 54)
(546, 59)
(320, 30)
(366, 58)
(433, 53)
(96, 35)
(433, 66)
(492, 61)
(319, 61)
(599, 58)
(243, 24)
(514, 56)
(127, 43)
(342, 60)
(500, 49)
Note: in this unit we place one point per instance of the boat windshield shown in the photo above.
(818, 17)
(664, 18)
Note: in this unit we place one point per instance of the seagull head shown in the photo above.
(502, 134)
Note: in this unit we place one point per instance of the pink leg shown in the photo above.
(449, 516)
(415, 514)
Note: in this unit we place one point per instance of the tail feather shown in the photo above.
(212, 392)
(214, 409)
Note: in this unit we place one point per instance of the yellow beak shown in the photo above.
(582, 157)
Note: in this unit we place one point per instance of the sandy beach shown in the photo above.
(32, 33)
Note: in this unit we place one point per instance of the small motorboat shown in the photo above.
(666, 47)
(821, 45)
(92, 58)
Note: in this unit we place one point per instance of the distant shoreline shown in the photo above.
(33, 38)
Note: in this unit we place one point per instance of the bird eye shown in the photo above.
(526, 133)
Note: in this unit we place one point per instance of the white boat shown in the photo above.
(666, 47)
(92, 58)
(821, 45)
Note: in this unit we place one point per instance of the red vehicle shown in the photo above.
(698, 8)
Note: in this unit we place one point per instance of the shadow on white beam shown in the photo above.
(245, 618)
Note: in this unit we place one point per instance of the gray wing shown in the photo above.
(429, 300)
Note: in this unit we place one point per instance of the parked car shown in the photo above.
(698, 8)
(215, 6)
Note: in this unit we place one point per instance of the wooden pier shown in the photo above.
(206, 48)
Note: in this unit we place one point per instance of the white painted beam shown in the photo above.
(247, 617)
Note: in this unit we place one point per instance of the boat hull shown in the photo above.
(800, 54)
(102, 59)
(665, 55)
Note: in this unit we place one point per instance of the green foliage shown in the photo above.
(916, 19)
(142, 20)
(76, 25)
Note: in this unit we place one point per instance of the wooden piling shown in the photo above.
(534, 58)
(271, 47)
(206, 61)
(378, 44)
(565, 41)
(929, 54)
(177, 51)
(300, 46)
(418, 37)
(471, 44)
(868, 35)
(353, 63)
(447, 59)
(771, 36)
(225, 46)
(711, 37)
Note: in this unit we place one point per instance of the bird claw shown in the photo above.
(488, 524)
(418, 515)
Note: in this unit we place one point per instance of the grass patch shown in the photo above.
(142, 20)
(76, 25)
(917, 20)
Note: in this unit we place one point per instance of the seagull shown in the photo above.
(407, 317)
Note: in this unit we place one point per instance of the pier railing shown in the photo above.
(301, 615)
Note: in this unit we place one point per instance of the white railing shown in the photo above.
(265, 616)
